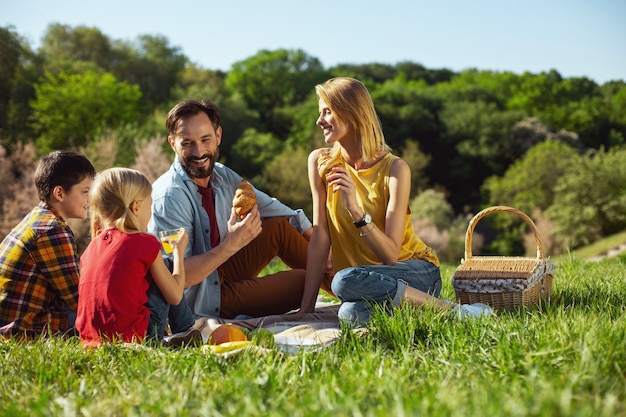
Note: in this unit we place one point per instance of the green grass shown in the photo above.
(597, 248)
(565, 358)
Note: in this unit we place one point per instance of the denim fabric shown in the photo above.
(180, 316)
(71, 322)
(360, 287)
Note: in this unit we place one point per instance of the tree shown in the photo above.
(303, 132)
(414, 72)
(11, 51)
(432, 205)
(149, 62)
(63, 47)
(252, 152)
(275, 79)
(485, 86)
(407, 110)
(614, 95)
(70, 108)
(152, 64)
(590, 198)
(477, 144)
(417, 161)
(286, 179)
(529, 182)
(19, 70)
(373, 73)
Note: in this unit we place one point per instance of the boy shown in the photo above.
(38, 259)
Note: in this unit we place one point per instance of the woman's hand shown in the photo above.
(339, 180)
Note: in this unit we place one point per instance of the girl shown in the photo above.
(122, 260)
(360, 196)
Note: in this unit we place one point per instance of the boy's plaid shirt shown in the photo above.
(39, 269)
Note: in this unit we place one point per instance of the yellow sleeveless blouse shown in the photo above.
(372, 193)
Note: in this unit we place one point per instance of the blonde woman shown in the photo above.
(360, 196)
(122, 260)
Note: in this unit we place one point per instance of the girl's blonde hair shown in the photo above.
(351, 102)
(110, 197)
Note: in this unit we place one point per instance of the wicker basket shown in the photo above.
(500, 281)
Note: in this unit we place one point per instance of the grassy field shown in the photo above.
(565, 358)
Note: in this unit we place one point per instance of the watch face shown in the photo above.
(367, 218)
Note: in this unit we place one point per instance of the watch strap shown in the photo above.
(362, 222)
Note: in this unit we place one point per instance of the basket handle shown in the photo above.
(494, 209)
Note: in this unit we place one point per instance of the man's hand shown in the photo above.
(241, 232)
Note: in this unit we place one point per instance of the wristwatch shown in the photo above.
(367, 219)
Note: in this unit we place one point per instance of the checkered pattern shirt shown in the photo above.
(38, 274)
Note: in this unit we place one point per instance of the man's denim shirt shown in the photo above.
(178, 203)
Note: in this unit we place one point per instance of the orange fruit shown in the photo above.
(226, 333)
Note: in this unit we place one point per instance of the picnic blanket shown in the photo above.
(292, 331)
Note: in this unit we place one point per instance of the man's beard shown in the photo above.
(200, 172)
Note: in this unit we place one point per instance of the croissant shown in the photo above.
(244, 199)
(325, 162)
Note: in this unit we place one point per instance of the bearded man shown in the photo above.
(225, 253)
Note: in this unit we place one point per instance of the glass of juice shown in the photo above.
(165, 236)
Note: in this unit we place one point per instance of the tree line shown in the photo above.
(551, 146)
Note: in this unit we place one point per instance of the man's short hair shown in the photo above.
(189, 108)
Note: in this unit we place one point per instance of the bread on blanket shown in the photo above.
(326, 161)
(244, 199)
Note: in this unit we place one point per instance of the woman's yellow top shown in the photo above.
(372, 193)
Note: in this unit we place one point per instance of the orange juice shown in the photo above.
(165, 236)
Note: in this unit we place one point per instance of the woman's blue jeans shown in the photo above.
(360, 287)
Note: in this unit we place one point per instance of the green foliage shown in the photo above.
(564, 358)
(18, 74)
(274, 79)
(432, 205)
(304, 132)
(408, 111)
(69, 108)
(590, 198)
(286, 178)
(11, 51)
(253, 151)
(418, 162)
(474, 85)
(154, 65)
(482, 132)
(479, 143)
(530, 181)
(535, 91)
(63, 46)
(148, 62)
(372, 73)
(615, 95)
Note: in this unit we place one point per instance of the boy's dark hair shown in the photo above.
(62, 168)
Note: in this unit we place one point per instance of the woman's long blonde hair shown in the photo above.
(351, 102)
(110, 197)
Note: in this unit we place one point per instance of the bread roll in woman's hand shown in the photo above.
(244, 199)
(325, 163)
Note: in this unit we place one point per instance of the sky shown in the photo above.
(577, 38)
